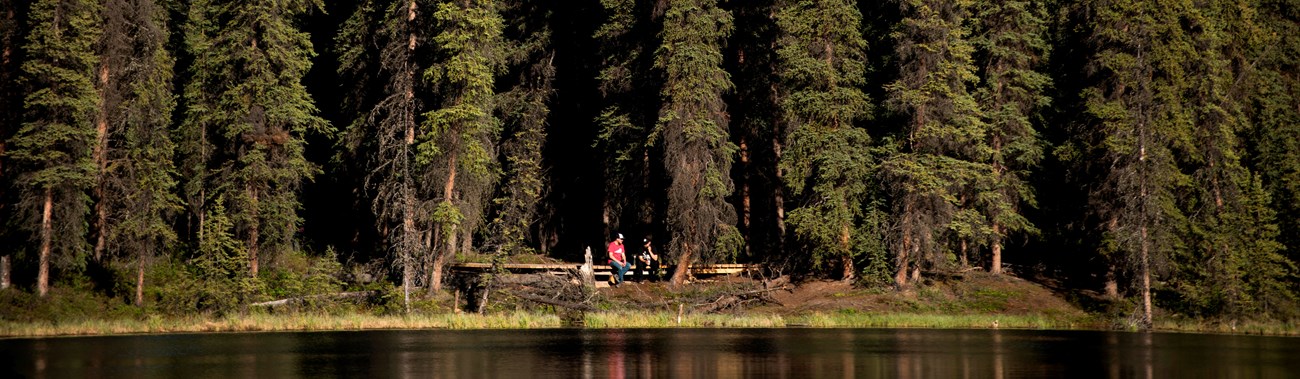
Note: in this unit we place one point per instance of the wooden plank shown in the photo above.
(604, 270)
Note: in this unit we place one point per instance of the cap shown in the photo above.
(620, 235)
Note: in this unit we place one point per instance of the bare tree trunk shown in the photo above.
(1146, 280)
(252, 232)
(744, 195)
(962, 247)
(1111, 285)
(900, 275)
(440, 255)
(996, 266)
(101, 162)
(4, 272)
(846, 264)
(139, 282)
(778, 195)
(43, 268)
(683, 270)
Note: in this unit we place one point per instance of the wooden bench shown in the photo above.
(602, 272)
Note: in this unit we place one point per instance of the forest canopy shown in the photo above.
(199, 155)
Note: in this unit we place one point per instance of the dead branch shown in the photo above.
(303, 299)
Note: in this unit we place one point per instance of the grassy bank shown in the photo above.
(279, 322)
(527, 320)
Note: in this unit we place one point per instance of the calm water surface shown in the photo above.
(652, 353)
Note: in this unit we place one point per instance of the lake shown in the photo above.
(654, 353)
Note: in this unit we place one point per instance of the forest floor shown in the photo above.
(955, 294)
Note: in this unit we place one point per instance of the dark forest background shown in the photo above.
(198, 155)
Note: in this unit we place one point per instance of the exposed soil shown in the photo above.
(971, 292)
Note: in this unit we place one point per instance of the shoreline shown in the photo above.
(309, 322)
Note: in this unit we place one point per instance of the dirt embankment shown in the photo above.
(972, 292)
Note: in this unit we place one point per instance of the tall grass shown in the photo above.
(938, 321)
(279, 322)
(688, 320)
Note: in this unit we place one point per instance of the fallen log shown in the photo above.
(302, 299)
(555, 302)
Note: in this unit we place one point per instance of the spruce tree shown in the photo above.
(52, 148)
(1010, 37)
(382, 137)
(247, 113)
(942, 158)
(459, 134)
(136, 182)
(628, 110)
(826, 161)
(1137, 122)
(1274, 140)
(11, 105)
(1231, 265)
(524, 110)
(756, 131)
(693, 127)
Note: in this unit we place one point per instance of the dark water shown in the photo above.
(667, 353)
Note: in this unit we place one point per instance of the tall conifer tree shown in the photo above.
(1275, 139)
(11, 105)
(826, 160)
(1231, 265)
(136, 184)
(247, 115)
(1137, 122)
(52, 148)
(943, 158)
(382, 138)
(460, 133)
(1011, 40)
(628, 109)
(524, 110)
(693, 125)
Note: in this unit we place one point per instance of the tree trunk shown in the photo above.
(996, 266)
(139, 282)
(101, 162)
(1111, 285)
(778, 196)
(252, 232)
(4, 272)
(683, 270)
(846, 264)
(744, 195)
(900, 275)
(43, 268)
(1146, 280)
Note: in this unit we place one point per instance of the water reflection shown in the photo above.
(652, 353)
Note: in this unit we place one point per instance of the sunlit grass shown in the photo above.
(1231, 327)
(937, 321)
(687, 320)
(307, 321)
(280, 322)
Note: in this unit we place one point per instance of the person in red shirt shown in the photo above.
(617, 260)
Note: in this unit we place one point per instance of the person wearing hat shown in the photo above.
(617, 260)
(647, 263)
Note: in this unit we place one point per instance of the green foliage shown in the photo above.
(822, 63)
(459, 136)
(247, 114)
(52, 148)
(944, 154)
(693, 126)
(221, 267)
(524, 110)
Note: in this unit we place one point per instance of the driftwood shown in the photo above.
(555, 302)
(303, 299)
(731, 300)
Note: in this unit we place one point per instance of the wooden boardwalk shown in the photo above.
(603, 271)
